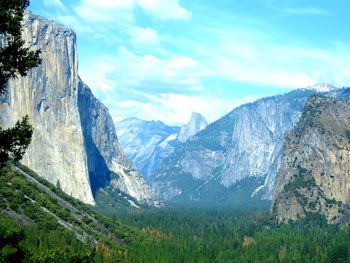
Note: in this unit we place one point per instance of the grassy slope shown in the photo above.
(60, 221)
(42, 224)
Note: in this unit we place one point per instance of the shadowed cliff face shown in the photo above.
(315, 172)
(74, 141)
(105, 156)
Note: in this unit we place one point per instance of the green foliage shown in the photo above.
(153, 235)
(56, 227)
(14, 141)
(198, 235)
(11, 249)
(14, 57)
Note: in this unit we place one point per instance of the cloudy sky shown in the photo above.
(163, 59)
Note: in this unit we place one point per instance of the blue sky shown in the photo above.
(163, 59)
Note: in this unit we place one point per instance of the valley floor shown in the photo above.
(39, 223)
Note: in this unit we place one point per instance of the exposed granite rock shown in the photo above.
(246, 143)
(49, 95)
(105, 154)
(315, 173)
(148, 143)
(74, 141)
(195, 125)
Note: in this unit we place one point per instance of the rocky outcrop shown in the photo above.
(148, 143)
(195, 125)
(74, 141)
(315, 172)
(105, 154)
(243, 148)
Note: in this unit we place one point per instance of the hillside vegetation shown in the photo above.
(39, 223)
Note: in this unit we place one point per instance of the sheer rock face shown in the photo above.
(195, 125)
(245, 144)
(49, 95)
(315, 173)
(105, 154)
(74, 141)
(148, 143)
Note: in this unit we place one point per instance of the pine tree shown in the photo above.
(15, 59)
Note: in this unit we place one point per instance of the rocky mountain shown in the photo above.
(74, 141)
(195, 125)
(322, 87)
(234, 161)
(147, 143)
(315, 171)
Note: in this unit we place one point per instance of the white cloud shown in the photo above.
(96, 76)
(107, 11)
(261, 59)
(143, 36)
(55, 3)
(151, 73)
(165, 9)
(160, 83)
(109, 3)
(95, 11)
(74, 23)
(176, 109)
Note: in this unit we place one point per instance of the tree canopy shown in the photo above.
(15, 59)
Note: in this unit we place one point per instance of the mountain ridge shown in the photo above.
(74, 142)
(147, 143)
(245, 143)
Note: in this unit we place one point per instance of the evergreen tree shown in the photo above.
(15, 59)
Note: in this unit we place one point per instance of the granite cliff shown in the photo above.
(148, 143)
(315, 170)
(234, 161)
(74, 141)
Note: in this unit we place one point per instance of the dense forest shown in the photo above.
(36, 227)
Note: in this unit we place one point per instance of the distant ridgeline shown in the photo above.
(74, 144)
(148, 143)
(235, 160)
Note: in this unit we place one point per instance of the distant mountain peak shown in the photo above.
(195, 125)
(322, 87)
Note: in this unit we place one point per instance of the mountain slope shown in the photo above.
(40, 223)
(314, 175)
(147, 143)
(244, 147)
(74, 141)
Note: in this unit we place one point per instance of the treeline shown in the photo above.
(197, 235)
(42, 230)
